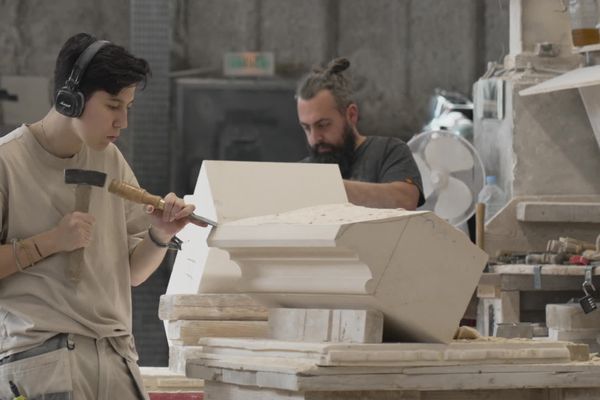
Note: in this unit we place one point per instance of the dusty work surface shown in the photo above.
(547, 269)
(461, 365)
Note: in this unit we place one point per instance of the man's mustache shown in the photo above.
(324, 147)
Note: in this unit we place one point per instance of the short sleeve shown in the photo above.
(399, 165)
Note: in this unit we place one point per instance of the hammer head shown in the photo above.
(85, 177)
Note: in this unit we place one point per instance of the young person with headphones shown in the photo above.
(59, 337)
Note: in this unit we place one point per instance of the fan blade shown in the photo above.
(453, 200)
(448, 153)
(425, 175)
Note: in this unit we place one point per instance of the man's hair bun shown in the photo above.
(338, 65)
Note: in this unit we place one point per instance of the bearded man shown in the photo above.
(378, 172)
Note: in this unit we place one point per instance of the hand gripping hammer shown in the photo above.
(84, 180)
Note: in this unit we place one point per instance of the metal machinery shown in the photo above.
(233, 119)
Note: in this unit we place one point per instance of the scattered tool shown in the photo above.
(546, 258)
(510, 257)
(578, 260)
(139, 195)
(568, 245)
(84, 179)
(15, 391)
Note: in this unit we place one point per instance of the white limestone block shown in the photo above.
(230, 190)
(413, 266)
(567, 317)
(574, 335)
(179, 355)
(320, 325)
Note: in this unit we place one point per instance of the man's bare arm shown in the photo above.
(383, 195)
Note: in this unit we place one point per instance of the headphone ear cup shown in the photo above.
(69, 103)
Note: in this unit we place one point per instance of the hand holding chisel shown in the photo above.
(139, 195)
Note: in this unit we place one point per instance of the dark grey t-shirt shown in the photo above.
(383, 160)
(386, 159)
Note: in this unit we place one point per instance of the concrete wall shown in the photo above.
(32, 31)
(400, 50)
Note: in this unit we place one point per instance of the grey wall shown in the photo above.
(400, 50)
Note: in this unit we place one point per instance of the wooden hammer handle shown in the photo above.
(139, 195)
(135, 194)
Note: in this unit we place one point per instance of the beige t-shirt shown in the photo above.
(41, 301)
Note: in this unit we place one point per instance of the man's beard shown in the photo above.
(342, 155)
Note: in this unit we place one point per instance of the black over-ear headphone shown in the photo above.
(69, 99)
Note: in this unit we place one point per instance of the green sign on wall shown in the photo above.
(249, 64)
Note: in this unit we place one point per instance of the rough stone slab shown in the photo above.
(178, 356)
(224, 391)
(573, 335)
(587, 337)
(161, 379)
(548, 211)
(231, 306)
(250, 372)
(514, 330)
(315, 325)
(515, 351)
(547, 269)
(190, 332)
(568, 317)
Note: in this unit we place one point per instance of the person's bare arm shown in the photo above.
(73, 232)
(383, 195)
(147, 256)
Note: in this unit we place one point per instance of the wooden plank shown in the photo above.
(549, 211)
(502, 377)
(162, 379)
(240, 307)
(488, 291)
(190, 332)
(524, 281)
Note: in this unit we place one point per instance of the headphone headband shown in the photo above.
(70, 101)
(83, 61)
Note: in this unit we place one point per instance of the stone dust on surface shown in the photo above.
(328, 214)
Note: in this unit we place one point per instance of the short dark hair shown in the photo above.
(328, 78)
(112, 69)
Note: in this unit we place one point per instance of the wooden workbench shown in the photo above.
(251, 369)
(510, 293)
